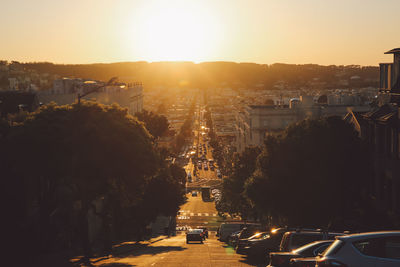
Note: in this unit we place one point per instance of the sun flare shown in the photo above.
(178, 33)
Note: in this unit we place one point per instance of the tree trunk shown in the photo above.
(84, 227)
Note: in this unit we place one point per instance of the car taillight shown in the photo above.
(329, 263)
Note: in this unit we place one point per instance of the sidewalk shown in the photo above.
(68, 259)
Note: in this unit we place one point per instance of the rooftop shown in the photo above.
(393, 51)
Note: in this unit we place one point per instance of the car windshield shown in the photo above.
(258, 236)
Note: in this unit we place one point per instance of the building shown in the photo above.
(136, 97)
(380, 128)
(256, 121)
(66, 90)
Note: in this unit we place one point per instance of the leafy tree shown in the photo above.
(157, 125)
(243, 166)
(313, 174)
(92, 150)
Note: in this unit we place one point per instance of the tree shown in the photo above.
(90, 150)
(157, 125)
(243, 166)
(311, 175)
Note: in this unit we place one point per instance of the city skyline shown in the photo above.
(266, 32)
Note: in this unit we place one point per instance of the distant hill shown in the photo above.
(216, 74)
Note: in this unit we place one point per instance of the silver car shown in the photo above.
(373, 249)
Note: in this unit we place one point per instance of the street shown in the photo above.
(173, 251)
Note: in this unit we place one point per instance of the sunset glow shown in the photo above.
(260, 31)
(177, 32)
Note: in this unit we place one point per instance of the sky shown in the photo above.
(326, 32)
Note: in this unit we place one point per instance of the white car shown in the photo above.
(373, 249)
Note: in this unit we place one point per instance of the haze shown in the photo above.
(260, 31)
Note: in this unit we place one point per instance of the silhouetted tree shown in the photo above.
(243, 166)
(88, 151)
(312, 174)
(157, 125)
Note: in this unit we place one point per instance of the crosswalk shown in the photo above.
(185, 215)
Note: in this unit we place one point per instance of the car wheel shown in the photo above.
(187, 241)
(201, 241)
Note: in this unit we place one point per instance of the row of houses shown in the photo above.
(380, 128)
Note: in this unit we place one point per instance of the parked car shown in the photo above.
(282, 259)
(294, 239)
(194, 235)
(226, 229)
(243, 242)
(232, 239)
(205, 231)
(371, 249)
(258, 248)
(248, 231)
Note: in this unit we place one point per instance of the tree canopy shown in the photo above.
(64, 155)
(312, 174)
(243, 166)
(157, 125)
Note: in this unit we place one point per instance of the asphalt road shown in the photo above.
(174, 251)
(195, 212)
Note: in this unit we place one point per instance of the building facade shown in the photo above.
(66, 90)
(380, 128)
(256, 121)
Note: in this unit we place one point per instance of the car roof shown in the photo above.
(360, 236)
(313, 232)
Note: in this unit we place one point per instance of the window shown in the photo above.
(384, 247)
(321, 249)
(370, 247)
(302, 239)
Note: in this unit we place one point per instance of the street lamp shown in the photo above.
(110, 82)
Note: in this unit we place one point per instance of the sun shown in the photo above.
(177, 32)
